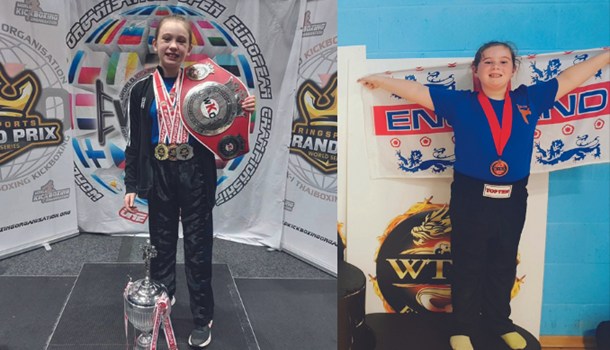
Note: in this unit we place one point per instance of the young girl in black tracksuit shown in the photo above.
(175, 173)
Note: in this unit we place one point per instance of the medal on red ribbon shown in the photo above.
(500, 134)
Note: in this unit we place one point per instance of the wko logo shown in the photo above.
(23, 128)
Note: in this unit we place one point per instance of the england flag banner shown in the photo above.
(407, 140)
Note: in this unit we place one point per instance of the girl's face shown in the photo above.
(496, 67)
(172, 45)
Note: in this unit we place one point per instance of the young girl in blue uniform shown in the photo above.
(181, 187)
(494, 131)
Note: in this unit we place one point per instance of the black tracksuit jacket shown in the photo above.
(139, 150)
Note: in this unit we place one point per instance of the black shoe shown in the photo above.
(201, 336)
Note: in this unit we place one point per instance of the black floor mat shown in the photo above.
(93, 317)
(295, 314)
(30, 308)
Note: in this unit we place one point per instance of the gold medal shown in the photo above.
(499, 168)
(161, 152)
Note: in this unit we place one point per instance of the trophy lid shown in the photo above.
(145, 292)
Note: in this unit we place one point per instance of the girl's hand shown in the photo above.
(369, 82)
(248, 104)
(128, 202)
(407, 89)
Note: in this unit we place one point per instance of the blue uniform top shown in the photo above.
(475, 150)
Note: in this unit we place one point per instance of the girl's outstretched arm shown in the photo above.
(574, 76)
(407, 89)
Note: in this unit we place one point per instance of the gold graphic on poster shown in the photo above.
(22, 127)
(413, 261)
(314, 133)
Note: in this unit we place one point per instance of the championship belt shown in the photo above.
(211, 109)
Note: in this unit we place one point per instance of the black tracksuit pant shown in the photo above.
(484, 241)
(179, 192)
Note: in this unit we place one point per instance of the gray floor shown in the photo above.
(289, 279)
(67, 257)
(299, 320)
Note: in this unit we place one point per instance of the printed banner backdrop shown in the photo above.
(397, 230)
(311, 191)
(38, 196)
(407, 140)
(111, 50)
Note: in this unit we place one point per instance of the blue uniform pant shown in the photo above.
(484, 242)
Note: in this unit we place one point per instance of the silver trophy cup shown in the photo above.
(140, 301)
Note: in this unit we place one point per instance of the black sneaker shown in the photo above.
(201, 336)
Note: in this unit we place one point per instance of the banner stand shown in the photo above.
(37, 244)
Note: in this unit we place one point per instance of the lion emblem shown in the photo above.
(556, 154)
(414, 162)
(552, 70)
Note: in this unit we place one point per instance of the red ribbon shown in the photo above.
(168, 108)
(500, 134)
(162, 311)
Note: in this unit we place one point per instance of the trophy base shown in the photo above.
(143, 342)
